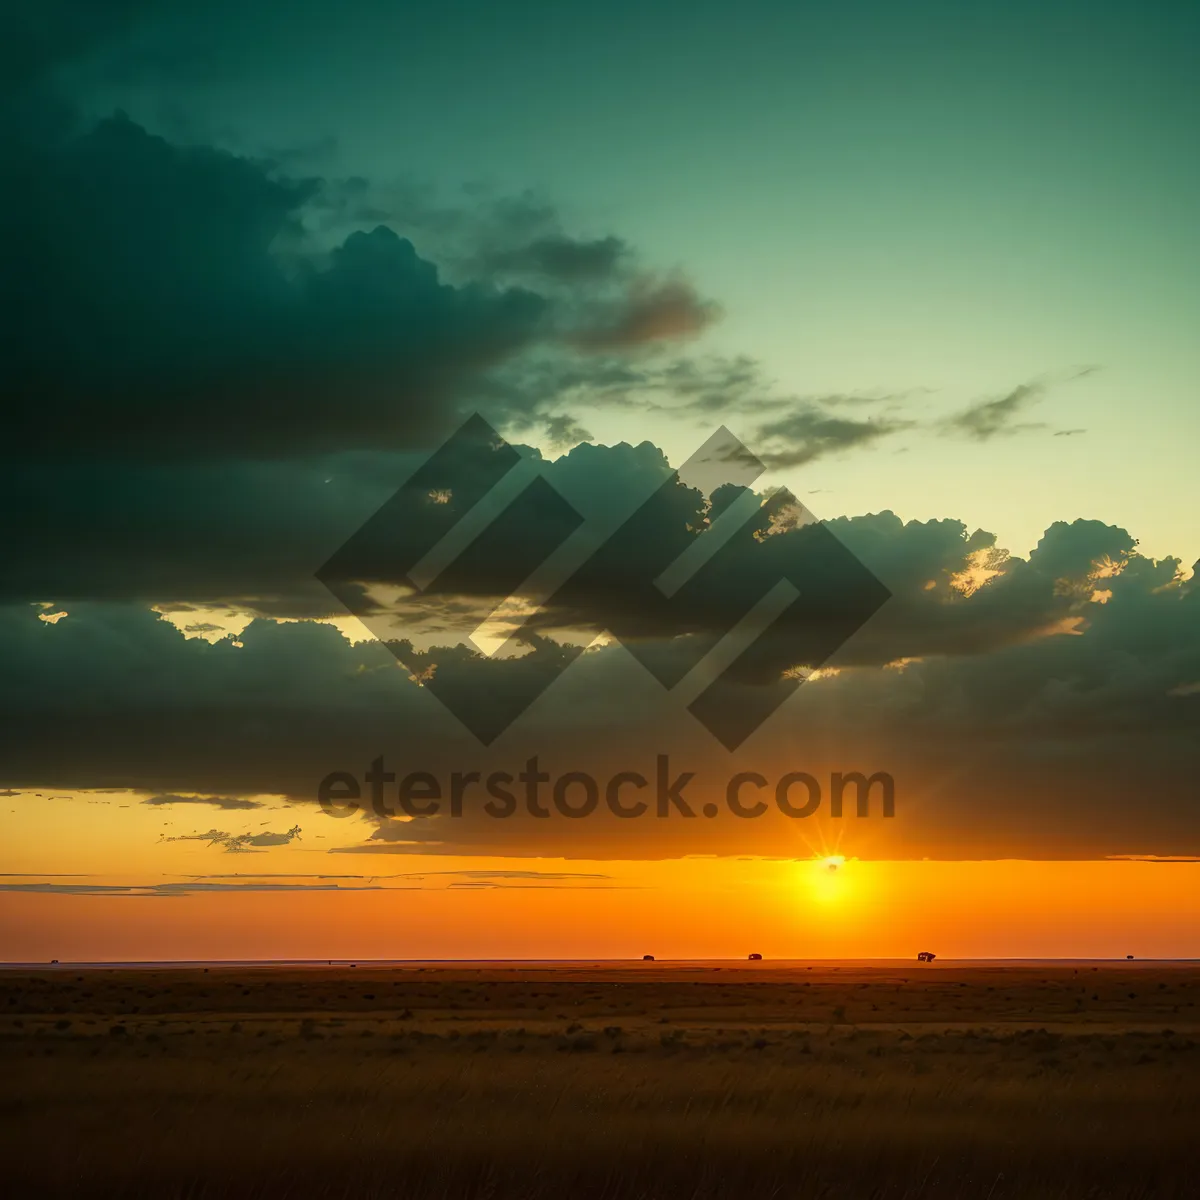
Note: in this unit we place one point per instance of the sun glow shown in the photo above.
(826, 879)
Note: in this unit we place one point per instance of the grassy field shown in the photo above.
(637, 1080)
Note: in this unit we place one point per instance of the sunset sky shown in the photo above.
(935, 267)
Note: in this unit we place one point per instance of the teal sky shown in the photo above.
(934, 200)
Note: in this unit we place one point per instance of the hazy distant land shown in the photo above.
(602, 1080)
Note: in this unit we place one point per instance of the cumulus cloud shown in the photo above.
(565, 431)
(1019, 715)
(232, 393)
(175, 304)
(154, 310)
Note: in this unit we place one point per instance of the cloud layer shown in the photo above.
(1047, 710)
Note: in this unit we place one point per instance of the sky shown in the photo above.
(933, 269)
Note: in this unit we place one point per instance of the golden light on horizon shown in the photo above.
(827, 881)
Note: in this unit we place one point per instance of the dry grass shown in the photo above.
(606, 1082)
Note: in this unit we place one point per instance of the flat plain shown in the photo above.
(604, 1080)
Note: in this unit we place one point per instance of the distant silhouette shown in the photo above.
(647, 958)
(755, 957)
(926, 956)
(1129, 956)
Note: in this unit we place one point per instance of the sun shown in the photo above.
(827, 880)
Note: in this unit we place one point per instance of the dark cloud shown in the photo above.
(256, 875)
(157, 318)
(190, 371)
(933, 569)
(495, 875)
(712, 385)
(250, 535)
(239, 842)
(987, 418)
(502, 884)
(207, 884)
(702, 389)
(35, 38)
(562, 258)
(1019, 716)
(866, 399)
(813, 427)
(808, 434)
(187, 533)
(1001, 415)
(613, 543)
(174, 302)
(1156, 858)
(651, 312)
(192, 888)
(565, 431)
(482, 879)
(225, 802)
